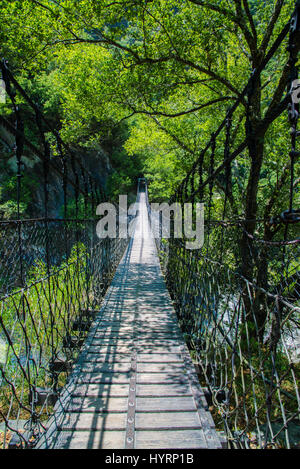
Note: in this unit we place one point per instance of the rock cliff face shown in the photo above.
(95, 160)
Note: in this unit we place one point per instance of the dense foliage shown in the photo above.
(146, 83)
(168, 69)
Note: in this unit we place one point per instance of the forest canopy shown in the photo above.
(151, 80)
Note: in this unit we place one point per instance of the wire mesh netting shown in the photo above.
(237, 298)
(53, 276)
(244, 338)
(43, 326)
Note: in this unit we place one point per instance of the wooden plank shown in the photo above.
(161, 378)
(95, 367)
(156, 316)
(103, 390)
(138, 326)
(112, 342)
(160, 344)
(89, 440)
(157, 336)
(157, 342)
(156, 310)
(158, 332)
(165, 404)
(103, 378)
(160, 368)
(157, 349)
(93, 355)
(113, 349)
(159, 358)
(97, 404)
(171, 439)
(89, 421)
(167, 420)
(165, 390)
(140, 336)
(107, 335)
(117, 322)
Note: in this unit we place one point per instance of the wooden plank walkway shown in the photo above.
(134, 385)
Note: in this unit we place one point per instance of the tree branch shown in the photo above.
(250, 18)
(181, 113)
(270, 27)
(181, 144)
(277, 190)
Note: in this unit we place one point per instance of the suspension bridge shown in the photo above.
(134, 385)
(142, 343)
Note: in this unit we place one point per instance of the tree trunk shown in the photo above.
(255, 314)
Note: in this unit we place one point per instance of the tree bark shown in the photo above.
(255, 314)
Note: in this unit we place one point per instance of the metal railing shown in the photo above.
(54, 272)
(237, 298)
